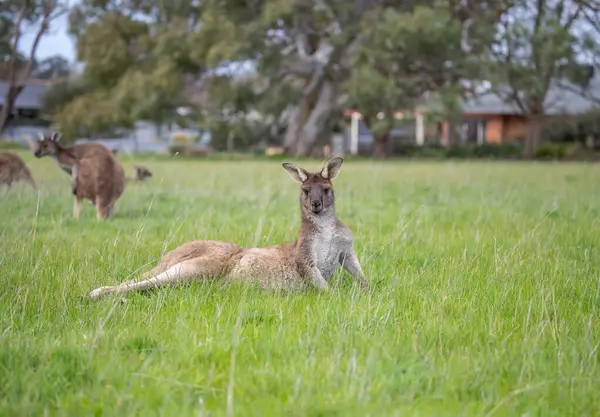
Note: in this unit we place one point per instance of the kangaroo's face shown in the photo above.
(142, 173)
(46, 146)
(316, 195)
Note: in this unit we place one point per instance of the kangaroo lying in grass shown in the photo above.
(95, 173)
(323, 243)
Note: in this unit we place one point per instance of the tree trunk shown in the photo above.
(532, 140)
(381, 145)
(14, 86)
(12, 92)
(453, 138)
(310, 122)
(230, 141)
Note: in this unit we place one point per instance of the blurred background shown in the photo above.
(438, 78)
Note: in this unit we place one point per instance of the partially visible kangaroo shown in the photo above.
(141, 173)
(323, 243)
(13, 169)
(95, 173)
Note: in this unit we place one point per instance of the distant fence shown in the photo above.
(19, 134)
(129, 146)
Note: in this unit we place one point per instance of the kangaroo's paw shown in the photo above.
(99, 292)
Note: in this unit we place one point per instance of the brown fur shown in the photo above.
(13, 169)
(96, 175)
(323, 244)
(141, 173)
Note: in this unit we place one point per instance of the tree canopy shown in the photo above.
(304, 62)
(18, 17)
(541, 44)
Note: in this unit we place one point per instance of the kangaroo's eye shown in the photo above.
(305, 191)
(326, 191)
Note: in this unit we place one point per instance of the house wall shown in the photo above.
(494, 129)
(503, 128)
(515, 128)
(494, 126)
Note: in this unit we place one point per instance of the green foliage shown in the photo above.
(487, 150)
(144, 59)
(110, 47)
(464, 151)
(575, 128)
(444, 104)
(137, 56)
(541, 46)
(176, 149)
(10, 144)
(7, 23)
(536, 45)
(148, 94)
(407, 54)
(552, 150)
(90, 114)
(502, 150)
(61, 94)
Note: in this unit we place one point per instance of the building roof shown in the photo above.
(563, 98)
(30, 97)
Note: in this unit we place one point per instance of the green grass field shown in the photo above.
(485, 298)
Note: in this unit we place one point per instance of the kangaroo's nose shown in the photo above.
(316, 205)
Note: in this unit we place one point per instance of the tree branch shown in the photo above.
(593, 18)
(550, 73)
(15, 46)
(568, 87)
(507, 62)
(49, 7)
(464, 36)
(300, 68)
(572, 18)
(535, 47)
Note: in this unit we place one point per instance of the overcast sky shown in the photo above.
(57, 42)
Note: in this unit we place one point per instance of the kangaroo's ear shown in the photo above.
(298, 174)
(56, 136)
(332, 168)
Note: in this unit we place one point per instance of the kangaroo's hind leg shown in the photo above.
(109, 210)
(103, 206)
(77, 207)
(179, 273)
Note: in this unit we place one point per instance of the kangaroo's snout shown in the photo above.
(317, 206)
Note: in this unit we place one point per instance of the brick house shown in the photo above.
(486, 119)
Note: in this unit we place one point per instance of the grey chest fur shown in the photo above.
(328, 245)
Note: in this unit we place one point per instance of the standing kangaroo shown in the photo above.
(95, 173)
(323, 243)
